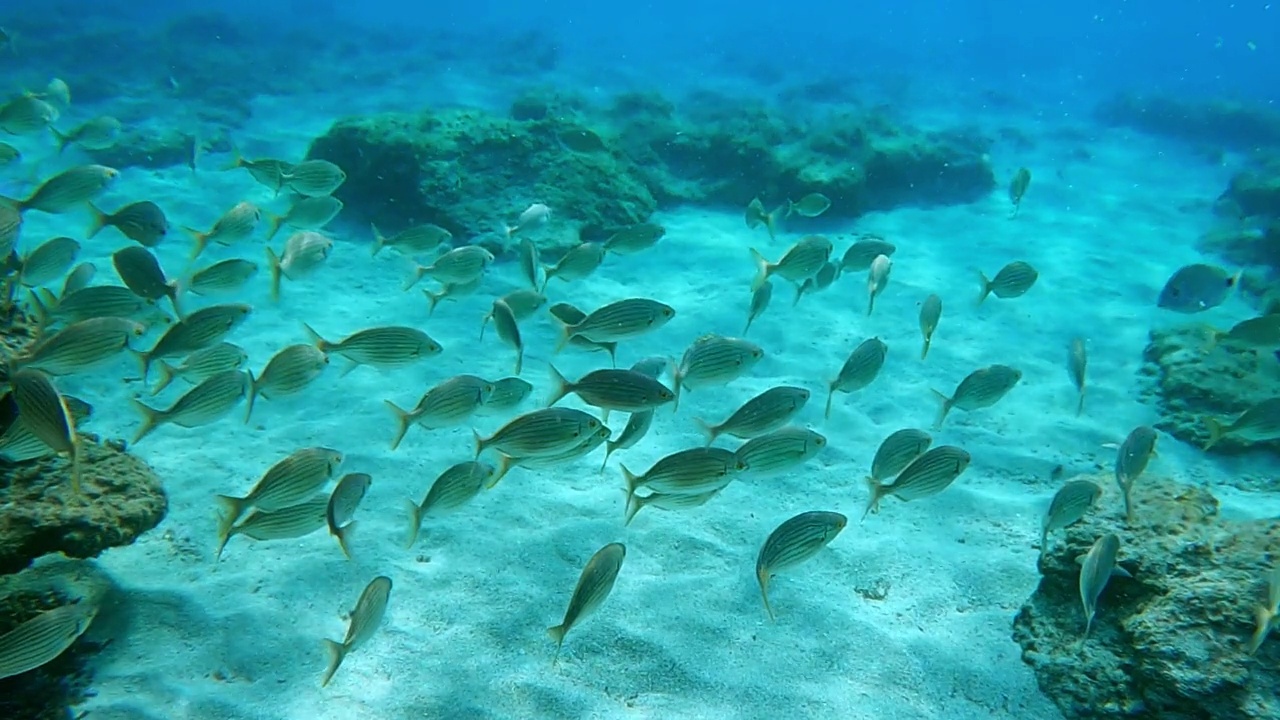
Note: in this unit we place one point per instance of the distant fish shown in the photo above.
(594, 585)
(864, 251)
(235, 224)
(1267, 616)
(100, 133)
(450, 291)
(533, 216)
(802, 261)
(452, 489)
(1069, 505)
(1196, 288)
(460, 265)
(223, 276)
(522, 303)
(48, 261)
(143, 222)
(313, 178)
(1077, 362)
(981, 388)
(860, 369)
(930, 313)
(567, 314)
(1260, 423)
(267, 171)
(760, 298)
(756, 216)
(386, 347)
(140, 271)
(581, 140)
(794, 542)
(308, 213)
(714, 360)
(634, 238)
(1013, 280)
(877, 280)
(1131, 460)
(638, 424)
(810, 206)
(530, 263)
(578, 263)
(413, 241)
(365, 620)
(1096, 569)
(1259, 333)
(201, 329)
(304, 252)
(342, 505)
(822, 280)
(1018, 187)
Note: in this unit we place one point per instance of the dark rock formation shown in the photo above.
(1189, 381)
(1210, 123)
(1170, 643)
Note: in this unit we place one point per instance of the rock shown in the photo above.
(1170, 642)
(47, 692)
(1188, 383)
(1211, 123)
(1256, 190)
(40, 515)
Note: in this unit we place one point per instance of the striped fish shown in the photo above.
(612, 389)
(530, 263)
(793, 542)
(451, 291)
(760, 298)
(285, 524)
(82, 345)
(44, 637)
(618, 321)
(779, 450)
(819, 282)
(802, 261)
(289, 482)
(667, 501)
(1013, 280)
(202, 364)
(308, 213)
(763, 413)
(567, 314)
(69, 189)
(864, 251)
(17, 442)
(927, 475)
(859, 370)
(522, 303)
(548, 431)
(877, 280)
(224, 276)
(43, 411)
(312, 178)
(508, 329)
(365, 619)
(288, 372)
(687, 472)
(447, 404)
(1260, 423)
(1096, 570)
(897, 452)
(79, 278)
(594, 585)
(982, 388)
(1131, 460)
(342, 505)
(89, 303)
(413, 241)
(205, 403)
(140, 271)
(10, 226)
(201, 329)
(637, 427)
(235, 224)
(634, 238)
(930, 314)
(576, 264)
(460, 265)
(1071, 503)
(392, 346)
(508, 393)
(48, 261)
(544, 462)
(714, 360)
(452, 489)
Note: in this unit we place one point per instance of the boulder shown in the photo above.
(1209, 123)
(1170, 643)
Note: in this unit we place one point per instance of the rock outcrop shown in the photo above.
(1170, 643)
(1209, 123)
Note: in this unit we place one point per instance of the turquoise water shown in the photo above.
(905, 615)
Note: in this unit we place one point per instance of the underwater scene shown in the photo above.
(675, 361)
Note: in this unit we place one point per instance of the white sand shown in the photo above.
(684, 633)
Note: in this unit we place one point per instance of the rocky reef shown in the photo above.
(1169, 643)
(605, 167)
(1211, 124)
(1247, 231)
(1188, 380)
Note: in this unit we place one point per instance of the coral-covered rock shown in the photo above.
(40, 514)
(1216, 123)
(1189, 381)
(1170, 642)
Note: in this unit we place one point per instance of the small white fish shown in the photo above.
(533, 216)
(304, 251)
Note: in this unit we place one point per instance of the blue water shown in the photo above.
(904, 616)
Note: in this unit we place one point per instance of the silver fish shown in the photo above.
(794, 542)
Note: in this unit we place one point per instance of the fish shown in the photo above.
(508, 393)
(1018, 188)
(341, 507)
(79, 278)
(1260, 423)
(756, 217)
(638, 424)
(26, 115)
(412, 241)
(202, 364)
(896, 452)
(634, 238)
(48, 261)
(540, 433)
(201, 329)
(91, 302)
(308, 213)
(1259, 333)
(713, 360)
(1013, 280)
(304, 252)
(205, 403)
(452, 489)
(10, 227)
(80, 345)
(803, 260)
(621, 320)
(293, 480)
(1070, 504)
(782, 449)
(508, 329)
(663, 501)
(143, 222)
(58, 90)
(312, 178)
(860, 369)
(541, 462)
(68, 189)
(287, 523)
(864, 251)
(581, 140)
(100, 133)
(1265, 615)
(930, 313)
(567, 314)
(760, 298)
(1131, 460)
(17, 443)
(530, 263)
(458, 266)
(687, 472)
(877, 280)
(1077, 362)
(982, 388)
(448, 403)
(288, 372)
(266, 171)
(819, 282)
(762, 414)
(793, 542)
(810, 206)
(140, 271)
(576, 264)
(532, 217)
(9, 155)
(235, 224)
(450, 291)
(610, 389)
(929, 474)
(223, 276)
(1196, 288)
(1096, 569)
(43, 638)
(522, 304)
(593, 588)
(654, 366)
(387, 347)
(44, 412)
(365, 620)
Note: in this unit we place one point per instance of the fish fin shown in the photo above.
(166, 377)
(942, 411)
(343, 534)
(253, 395)
(201, 242)
(273, 263)
(233, 508)
(404, 419)
(875, 492)
(378, 240)
(710, 431)
(762, 576)
(1262, 617)
(1118, 571)
(831, 394)
(762, 270)
(1080, 404)
(505, 463)
(557, 633)
(418, 272)
(337, 653)
(273, 225)
(677, 389)
(1216, 431)
(415, 523)
(236, 161)
(480, 443)
(986, 287)
(771, 223)
(98, 221)
(632, 482)
(321, 344)
(433, 299)
(559, 386)
(151, 419)
(924, 351)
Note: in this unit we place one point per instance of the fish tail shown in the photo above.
(151, 419)
(337, 653)
(632, 482)
(253, 395)
(42, 306)
(404, 419)
(566, 334)
(273, 225)
(771, 223)
(762, 576)
(98, 220)
(323, 345)
(504, 466)
(1216, 431)
(942, 411)
(379, 241)
(609, 447)
(433, 299)
(762, 270)
(559, 386)
(232, 509)
(986, 287)
(415, 523)
(710, 431)
(1263, 617)
(273, 263)
(875, 491)
(1126, 493)
(831, 395)
(418, 272)
(746, 329)
(677, 388)
(557, 633)
(166, 377)
(924, 351)
(201, 240)
(236, 161)
(1080, 404)
(799, 294)
(343, 534)
(871, 303)
(612, 349)
(61, 138)
(480, 442)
